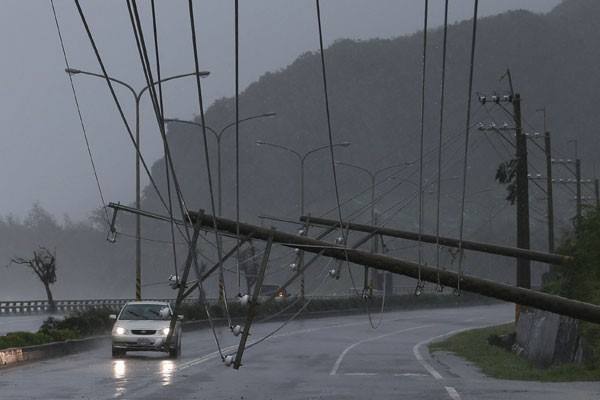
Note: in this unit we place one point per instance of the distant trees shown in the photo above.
(43, 264)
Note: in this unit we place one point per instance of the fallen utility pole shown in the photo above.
(253, 305)
(449, 242)
(485, 287)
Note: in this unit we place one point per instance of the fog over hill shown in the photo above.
(374, 88)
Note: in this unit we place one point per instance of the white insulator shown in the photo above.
(418, 291)
(332, 273)
(244, 300)
(339, 240)
(296, 250)
(228, 360)
(301, 231)
(236, 330)
(293, 266)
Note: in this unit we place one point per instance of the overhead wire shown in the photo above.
(441, 134)
(421, 144)
(165, 152)
(207, 160)
(118, 104)
(77, 106)
(466, 151)
(237, 137)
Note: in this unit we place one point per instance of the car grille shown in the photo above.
(143, 332)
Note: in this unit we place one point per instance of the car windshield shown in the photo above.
(145, 312)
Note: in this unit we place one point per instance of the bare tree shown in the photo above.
(43, 265)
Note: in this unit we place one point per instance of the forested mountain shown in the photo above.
(374, 88)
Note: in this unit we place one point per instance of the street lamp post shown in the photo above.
(373, 175)
(302, 160)
(218, 135)
(137, 95)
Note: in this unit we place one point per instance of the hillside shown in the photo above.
(375, 103)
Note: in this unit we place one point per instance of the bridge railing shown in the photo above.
(64, 306)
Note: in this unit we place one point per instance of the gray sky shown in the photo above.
(43, 156)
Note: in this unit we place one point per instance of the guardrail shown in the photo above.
(64, 306)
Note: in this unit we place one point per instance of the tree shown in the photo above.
(507, 174)
(43, 265)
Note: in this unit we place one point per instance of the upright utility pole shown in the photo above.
(578, 184)
(549, 196)
(597, 192)
(523, 265)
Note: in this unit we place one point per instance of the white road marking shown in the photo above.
(452, 393)
(225, 350)
(360, 373)
(410, 374)
(336, 366)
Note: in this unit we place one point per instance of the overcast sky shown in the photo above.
(42, 154)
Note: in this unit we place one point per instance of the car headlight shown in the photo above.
(120, 330)
(166, 331)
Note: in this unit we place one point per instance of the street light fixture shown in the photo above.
(373, 175)
(301, 158)
(218, 135)
(137, 96)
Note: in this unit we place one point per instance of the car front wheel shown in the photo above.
(118, 352)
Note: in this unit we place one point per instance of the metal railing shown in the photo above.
(65, 306)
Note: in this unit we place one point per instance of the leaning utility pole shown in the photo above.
(527, 297)
(445, 241)
(523, 264)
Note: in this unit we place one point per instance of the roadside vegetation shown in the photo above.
(499, 363)
(76, 326)
(97, 322)
(578, 280)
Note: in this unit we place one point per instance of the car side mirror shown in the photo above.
(112, 316)
(180, 318)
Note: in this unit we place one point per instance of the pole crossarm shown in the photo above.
(526, 297)
(450, 242)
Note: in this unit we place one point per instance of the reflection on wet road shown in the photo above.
(333, 358)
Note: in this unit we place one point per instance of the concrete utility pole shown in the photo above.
(549, 194)
(578, 185)
(597, 192)
(527, 297)
(523, 264)
(446, 241)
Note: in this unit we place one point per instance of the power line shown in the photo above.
(83, 130)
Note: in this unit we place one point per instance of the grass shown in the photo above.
(498, 363)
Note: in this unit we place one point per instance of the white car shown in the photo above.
(144, 326)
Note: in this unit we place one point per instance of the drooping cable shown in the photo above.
(207, 159)
(439, 159)
(466, 150)
(83, 130)
(165, 152)
(237, 141)
(329, 130)
(117, 103)
(421, 145)
(145, 60)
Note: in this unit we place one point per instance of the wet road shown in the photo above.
(328, 358)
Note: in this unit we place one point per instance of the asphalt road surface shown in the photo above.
(327, 358)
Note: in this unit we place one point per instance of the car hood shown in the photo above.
(143, 324)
